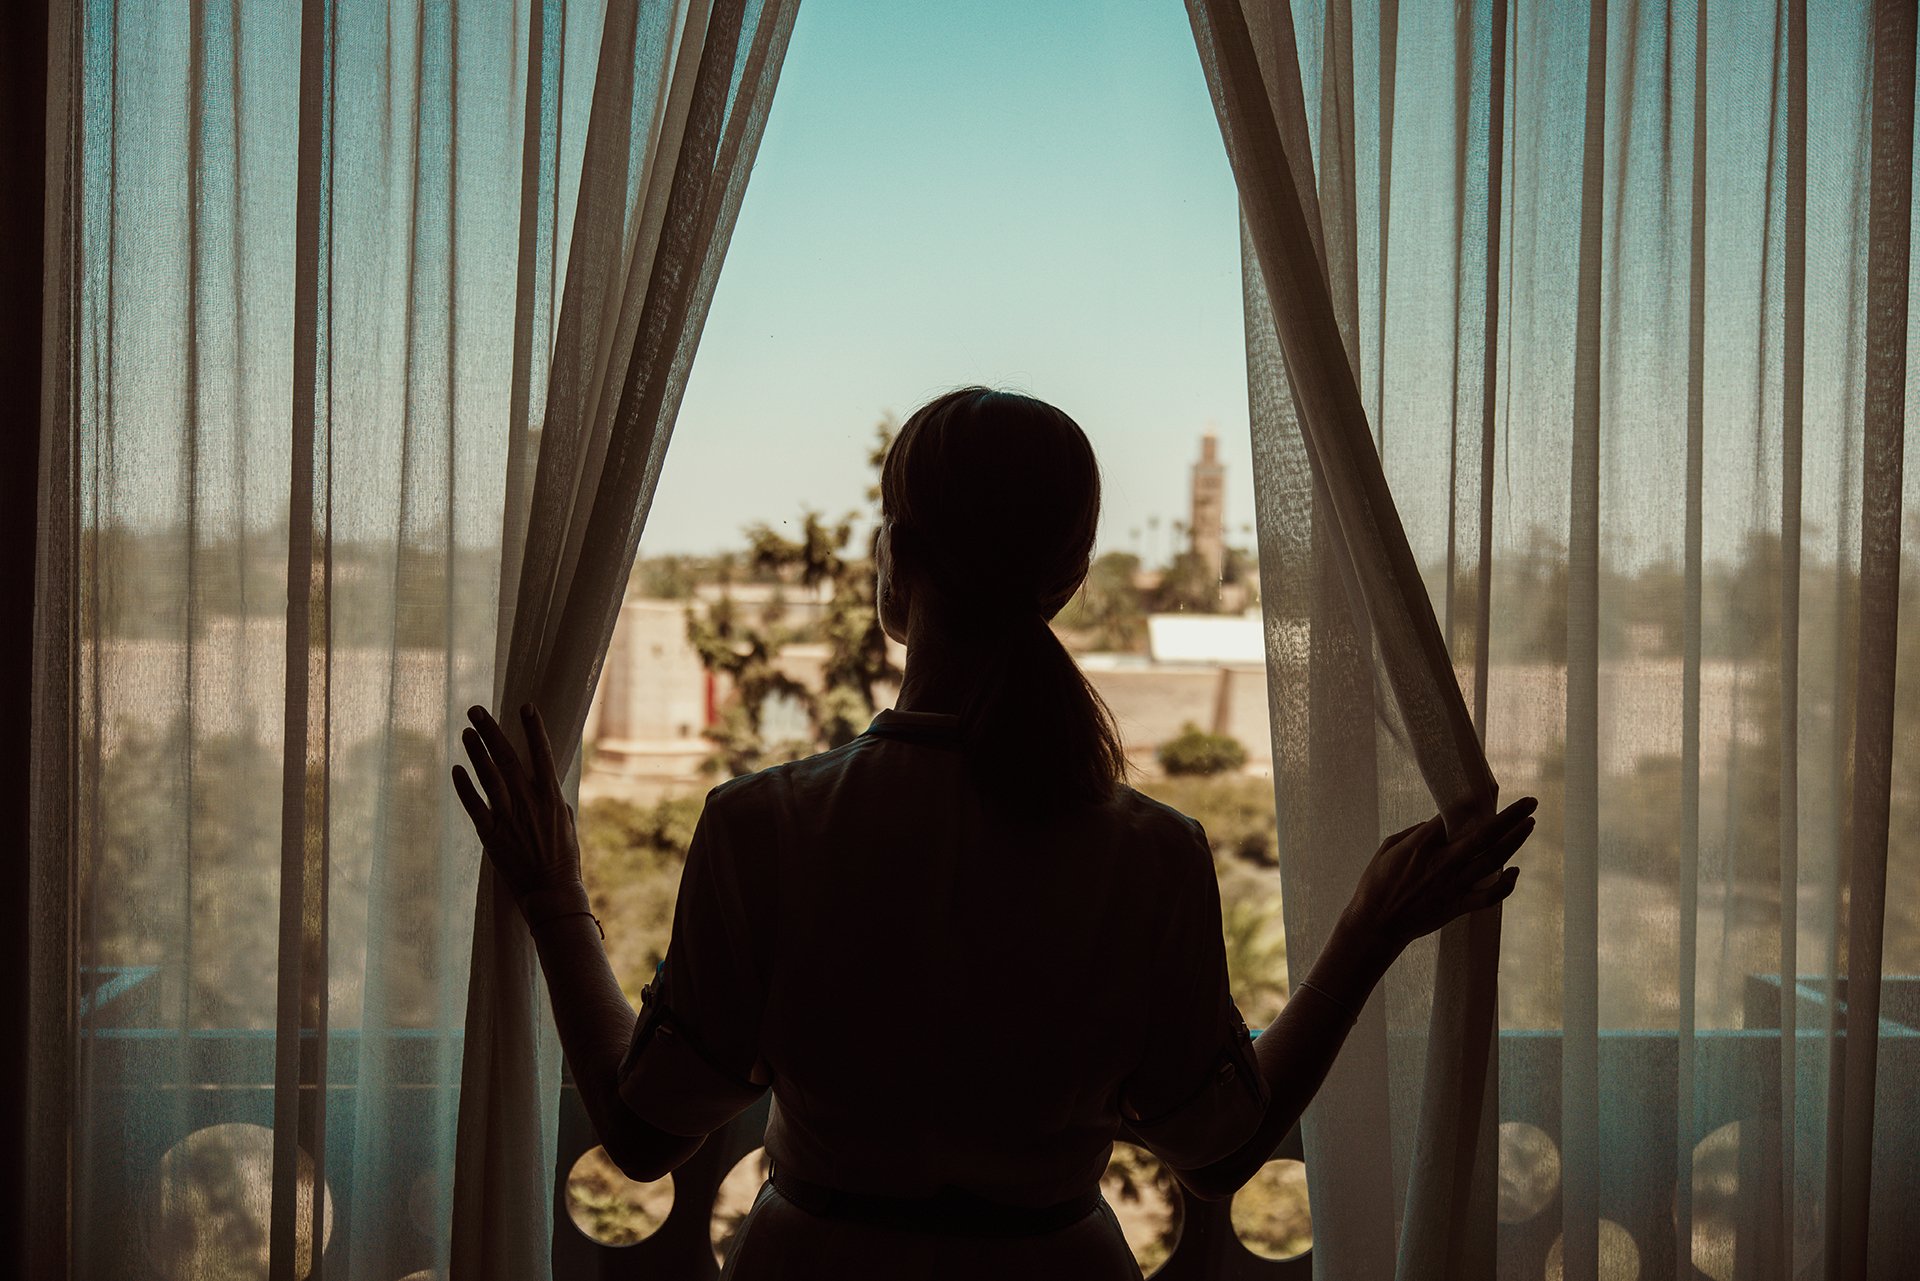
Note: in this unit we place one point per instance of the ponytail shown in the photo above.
(1038, 737)
(993, 498)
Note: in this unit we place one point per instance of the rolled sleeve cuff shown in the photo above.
(670, 1083)
(1217, 1119)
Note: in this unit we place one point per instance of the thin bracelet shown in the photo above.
(559, 916)
(1330, 998)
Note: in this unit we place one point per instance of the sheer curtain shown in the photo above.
(1613, 303)
(367, 325)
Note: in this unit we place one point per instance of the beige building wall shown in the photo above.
(649, 714)
(1152, 702)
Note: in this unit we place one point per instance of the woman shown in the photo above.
(959, 949)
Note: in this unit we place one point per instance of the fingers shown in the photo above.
(1404, 833)
(1494, 893)
(471, 802)
(1494, 855)
(505, 759)
(498, 797)
(1466, 849)
(1422, 835)
(540, 748)
(1519, 810)
(1489, 828)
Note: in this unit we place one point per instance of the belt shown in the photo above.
(949, 1212)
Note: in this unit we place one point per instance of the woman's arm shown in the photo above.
(527, 829)
(596, 1025)
(1417, 882)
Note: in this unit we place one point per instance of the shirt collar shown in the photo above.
(930, 727)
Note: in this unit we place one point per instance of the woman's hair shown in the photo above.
(992, 499)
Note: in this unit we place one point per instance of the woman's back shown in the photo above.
(957, 1001)
(949, 1003)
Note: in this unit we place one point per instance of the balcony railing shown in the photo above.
(225, 1078)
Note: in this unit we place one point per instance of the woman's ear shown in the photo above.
(892, 598)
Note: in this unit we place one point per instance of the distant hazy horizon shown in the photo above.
(1030, 196)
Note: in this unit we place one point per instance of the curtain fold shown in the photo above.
(1367, 604)
(674, 193)
(1638, 283)
(1855, 1125)
(367, 326)
(47, 1162)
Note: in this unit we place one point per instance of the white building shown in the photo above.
(1209, 670)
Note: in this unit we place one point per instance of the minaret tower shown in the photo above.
(1207, 525)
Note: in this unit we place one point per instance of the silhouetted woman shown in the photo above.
(960, 948)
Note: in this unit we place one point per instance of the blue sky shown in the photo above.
(997, 191)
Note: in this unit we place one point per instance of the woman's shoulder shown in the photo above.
(774, 789)
(1157, 853)
(1158, 824)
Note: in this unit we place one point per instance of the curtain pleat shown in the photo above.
(1449, 1216)
(1338, 774)
(1687, 962)
(1792, 435)
(49, 1163)
(1854, 1132)
(1388, 57)
(1580, 1045)
(300, 1018)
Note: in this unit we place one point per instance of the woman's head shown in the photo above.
(989, 502)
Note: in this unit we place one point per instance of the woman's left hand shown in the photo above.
(524, 823)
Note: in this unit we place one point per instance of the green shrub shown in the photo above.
(1194, 751)
(630, 857)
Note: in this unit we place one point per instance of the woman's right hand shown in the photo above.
(1419, 880)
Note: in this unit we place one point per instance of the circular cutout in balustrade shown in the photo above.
(1716, 1194)
(1619, 1256)
(610, 1208)
(1146, 1200)
(1529, 1171)
(735, 1198)
(1270, 1214)
(1733, 1168)
(428, 1201)
(210, 1210)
